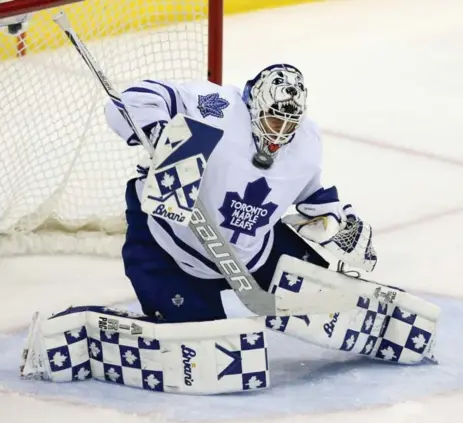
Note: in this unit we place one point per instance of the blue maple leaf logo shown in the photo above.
(246, 215)
(212, 105)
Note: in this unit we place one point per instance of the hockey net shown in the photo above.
(62, 170)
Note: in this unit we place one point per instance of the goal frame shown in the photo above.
(37, 229)
(215, 27)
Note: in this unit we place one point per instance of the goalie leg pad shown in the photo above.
(185, 358)
(396, 326)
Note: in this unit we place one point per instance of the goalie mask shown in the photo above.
(276, 99)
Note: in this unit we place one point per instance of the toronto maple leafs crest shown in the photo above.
(244, 215)
(212, 105)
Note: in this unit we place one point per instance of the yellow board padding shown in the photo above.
(243, 6)
(100, 18)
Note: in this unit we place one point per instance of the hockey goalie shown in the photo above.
(252, 160)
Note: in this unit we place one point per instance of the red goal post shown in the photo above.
(62, 170)
(19, 7)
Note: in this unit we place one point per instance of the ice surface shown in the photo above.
(384, 82)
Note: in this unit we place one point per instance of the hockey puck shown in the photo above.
(262, 161)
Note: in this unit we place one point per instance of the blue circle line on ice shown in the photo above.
(305, 379)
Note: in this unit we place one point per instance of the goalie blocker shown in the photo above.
(121, 347)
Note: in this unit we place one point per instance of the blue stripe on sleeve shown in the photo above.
(172, 95)
(133, 139)
(147, 91)
(118, 103)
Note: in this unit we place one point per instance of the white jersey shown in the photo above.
(244, 201)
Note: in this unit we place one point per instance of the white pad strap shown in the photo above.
(187, 358)
(383, 322)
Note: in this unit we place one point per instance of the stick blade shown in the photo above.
(174, 179)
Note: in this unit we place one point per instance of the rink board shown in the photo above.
(305, 379)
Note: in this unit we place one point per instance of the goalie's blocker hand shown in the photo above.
(182, 148)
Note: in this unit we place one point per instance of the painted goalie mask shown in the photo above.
(276, 99)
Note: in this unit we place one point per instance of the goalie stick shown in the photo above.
(219, 250)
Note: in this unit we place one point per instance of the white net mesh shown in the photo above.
(62, 171)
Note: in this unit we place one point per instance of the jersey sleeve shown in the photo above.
(314, 166)
(310, 188)
(149, 102)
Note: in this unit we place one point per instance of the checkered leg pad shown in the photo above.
(127, 360)
(216, 357)
(67, 354)
(365, 329)
(406, 339)
(374, 329)
(242, 362)
(355, 330)
(389, 333)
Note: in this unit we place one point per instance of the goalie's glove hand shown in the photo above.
(353, 245)
(324, 220)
